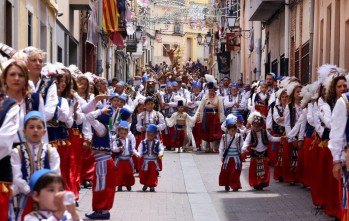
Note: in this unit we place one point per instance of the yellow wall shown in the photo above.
(196, 50)
(23, 22)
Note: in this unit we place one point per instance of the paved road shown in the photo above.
(188, 190)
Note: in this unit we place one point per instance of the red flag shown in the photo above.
(117, 39)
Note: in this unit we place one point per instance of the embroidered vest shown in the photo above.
(167, 99)
(292, 108)
(134, 124)
(119, 144)
(309, 130)
(56, 129)
(28, 164)
(221, 91)
(155, 116)
(256, 100)
(32, 102)
(254, 138)
(6, 106)
(276, 127)
(45, 84)
(101, 143)
(155, 148)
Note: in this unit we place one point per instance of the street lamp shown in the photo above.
(208, 38)
(231, 19)
(199, 38)
(138, 33)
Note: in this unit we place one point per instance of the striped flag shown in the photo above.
(110, 16)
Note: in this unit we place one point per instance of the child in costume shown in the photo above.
(150, 149)
(53, 203)
(229, 151)
(32, 155)
(104, 179)
(182, 122)
(261, 99)
(139, 107)
(124, 149)
(259, 139)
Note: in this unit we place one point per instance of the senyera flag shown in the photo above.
(110, 16)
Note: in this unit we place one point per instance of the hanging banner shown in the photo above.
(233, 41)
(223, 60)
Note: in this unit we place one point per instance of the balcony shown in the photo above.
(131, 43)
(80, 4)
(261, 10)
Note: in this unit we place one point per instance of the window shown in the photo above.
(305, 78)
(267, 65)
(30, 29)
(178, 28)
(51, 45)
(274, 67)
(59, 54)
(296, 64)
(346, 43)
(8, 23)
(165, 48)
(328, 36)
(282, 65)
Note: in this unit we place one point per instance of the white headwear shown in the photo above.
(334, 73)
(179, 98)
(139, 100)
(291, 86)
(89, 77)
(49, 70)
(279, 92)
(254, 115)
(210, 78)
(326, 70)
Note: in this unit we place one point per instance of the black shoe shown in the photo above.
(128, 188)
(256, 187)
(76, 204)
(235, 190)
(261, 186)
(281, 180)
(292, 184)
(227, 188)
(119, 188)
(144, 188)
(98, 215)
(87, 184)
(152, 189)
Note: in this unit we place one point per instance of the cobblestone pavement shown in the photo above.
(188, 190)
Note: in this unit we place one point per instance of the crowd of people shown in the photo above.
(61, 130)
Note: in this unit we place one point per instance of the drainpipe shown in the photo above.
(311, 40)
(258, 51)
(287, 36)
(99, 70)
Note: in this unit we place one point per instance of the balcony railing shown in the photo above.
(262, 10)
(80, 4)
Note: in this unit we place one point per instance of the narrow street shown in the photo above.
(188, 190)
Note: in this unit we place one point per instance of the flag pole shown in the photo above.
(99, 69)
